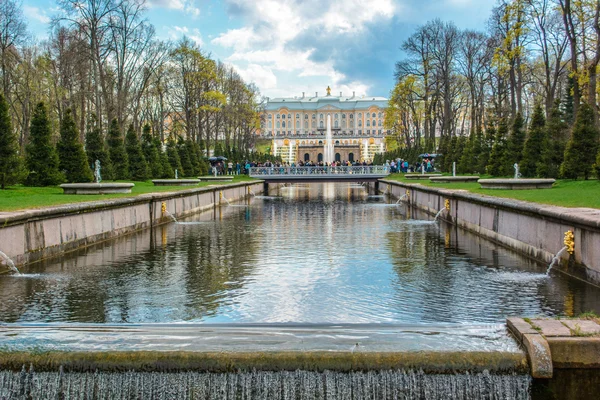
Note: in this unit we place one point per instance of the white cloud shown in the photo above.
(263, 77)
(188, 6)
(266, 43)
(177, 32)
(36, 14)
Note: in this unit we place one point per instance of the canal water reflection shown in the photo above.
(307, 254)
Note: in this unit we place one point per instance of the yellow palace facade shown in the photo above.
(297, 127)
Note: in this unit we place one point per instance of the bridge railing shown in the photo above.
(312, 171)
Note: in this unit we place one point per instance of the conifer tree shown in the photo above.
(167, 171)
(556, 141)
(11, 165)
(173, 156)
(461, 144)
(534, 145)
(476, 149)
(497, 156)
(467, 161)
(583, 142)
(95, 147)
(42, 159)
(194, 157)
(443, 149)
(138, 168)
(514, 146)
(72, 158)
(567, 105)
(151, 152)
(184, 157)
(486, 148)
(116, 151)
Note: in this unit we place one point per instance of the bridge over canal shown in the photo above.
(320, 174)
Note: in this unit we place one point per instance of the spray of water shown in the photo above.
(10, 263)
(401, 197)
(226, 201)
(555, 259)
(168, 214)
(438, 214)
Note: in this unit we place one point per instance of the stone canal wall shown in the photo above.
(31, 235)
(536, 230)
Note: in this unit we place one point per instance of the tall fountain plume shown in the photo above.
(328, 158)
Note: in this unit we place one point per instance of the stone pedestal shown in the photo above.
(96, 188)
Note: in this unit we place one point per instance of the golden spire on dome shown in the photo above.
(328, 91)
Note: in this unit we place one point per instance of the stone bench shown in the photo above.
(451, 179)
(218, 178)
(175, 182)
(96, 188)
(516, 184)
(420, 176)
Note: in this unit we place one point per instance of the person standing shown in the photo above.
(229, 168)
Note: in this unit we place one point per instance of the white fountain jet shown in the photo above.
(328, 150)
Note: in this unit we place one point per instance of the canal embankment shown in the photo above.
(535, 230)
(36, 234)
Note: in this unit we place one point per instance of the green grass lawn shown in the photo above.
(21, 197)
(566, 193)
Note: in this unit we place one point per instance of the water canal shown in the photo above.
(320, 267)
(306, 254)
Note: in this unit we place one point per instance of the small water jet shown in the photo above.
(569, 243)
(10, 263)
(446, 207)
(405, 195)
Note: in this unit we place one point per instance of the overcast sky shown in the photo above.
(292, 46)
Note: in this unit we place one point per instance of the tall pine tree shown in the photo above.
(42, 159)
(167, 171)
(514, 146)
(497, 156)
(486, 148)
(72, 157)
(95, 147)
(583, 142)
(173, 156)
(116, 151)
(557, 131)
(151, 152)
(138, 168)
(184, 157)
(11, 166)
(534, 145)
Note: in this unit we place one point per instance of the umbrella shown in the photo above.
(217, 158)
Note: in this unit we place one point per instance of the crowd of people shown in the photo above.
(400, 165)
(243, 168)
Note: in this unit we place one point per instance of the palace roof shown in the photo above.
(326, 102)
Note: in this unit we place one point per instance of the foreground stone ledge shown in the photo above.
(96, 188)
(429, 362)
(516, 184)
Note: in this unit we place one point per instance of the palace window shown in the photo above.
(380, 123)
(305, 124)
(278, 116)
(297, 115)
(314, 116)
(373, 116)
(359, 123)
(336, 124)
(321, 116)
(368, 123)
(278, 124)
(321, 124)
(344, 123)
(270, 124)
(289, 115)
(336, 116)
(305, 116)
(283, 124)
(270, 116)
(359, 115)
(314, 124)
(351, 124)
(368, 131)
(373, 123)
(351, 116)
(380, 115)
(343, 116)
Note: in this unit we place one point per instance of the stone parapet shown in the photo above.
(535, 230)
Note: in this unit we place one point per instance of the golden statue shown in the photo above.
(328, 91)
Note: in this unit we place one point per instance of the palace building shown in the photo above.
(298, 126)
